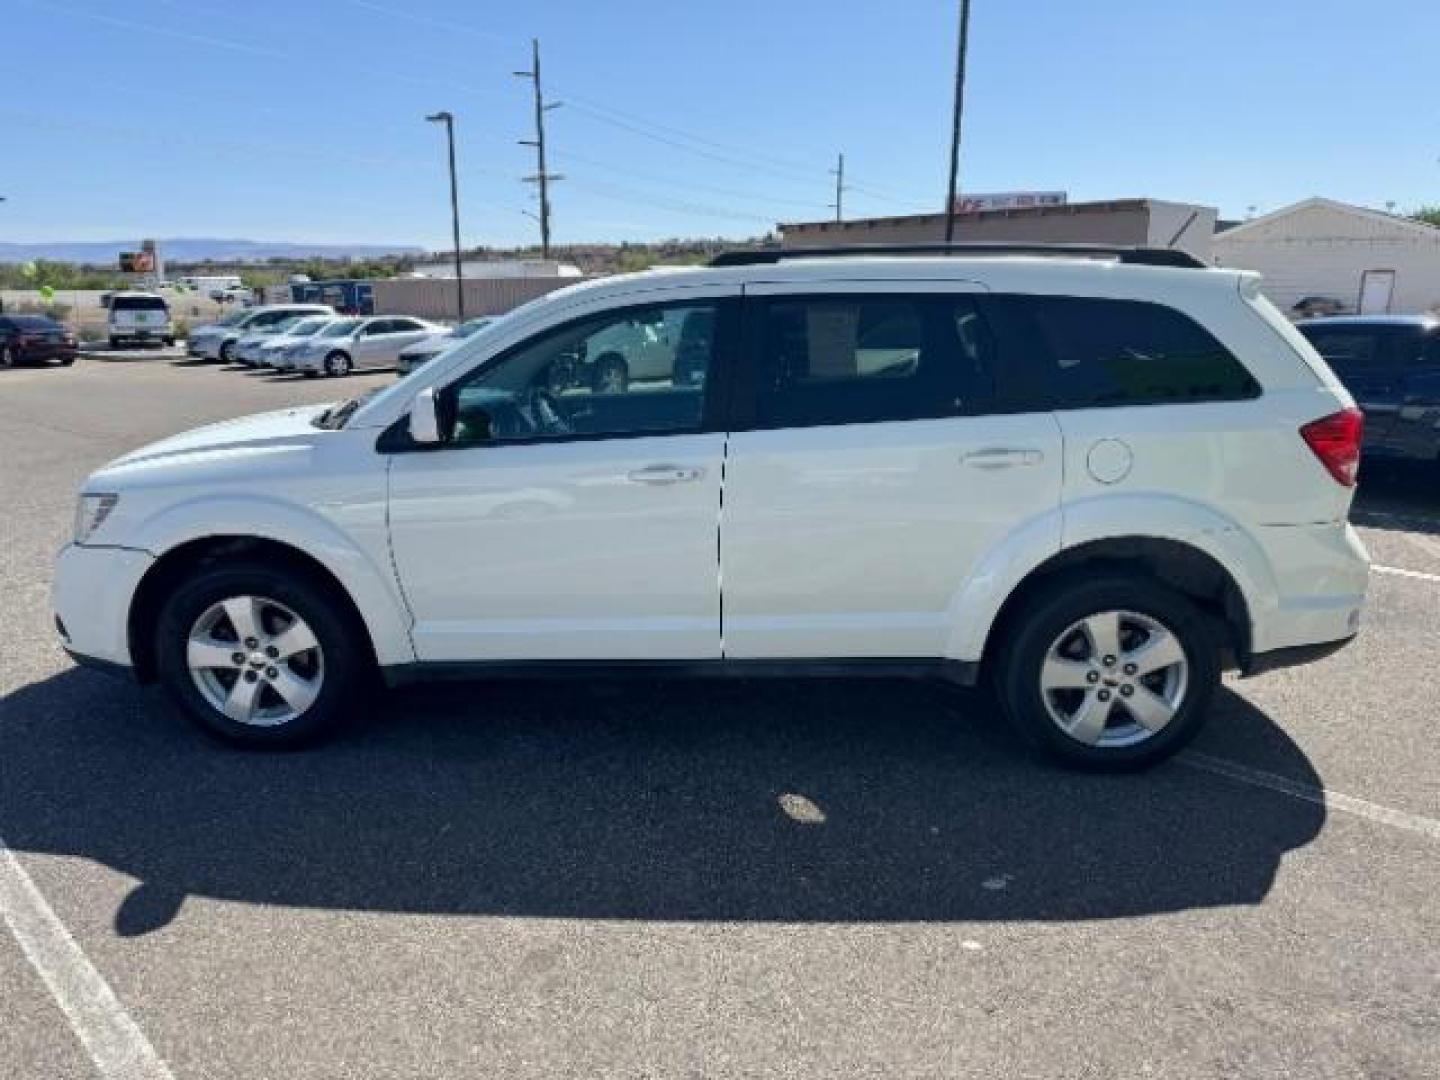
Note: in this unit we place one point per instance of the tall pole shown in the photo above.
(542, 177)
(955, 128)
(448, 119)
(839, 172)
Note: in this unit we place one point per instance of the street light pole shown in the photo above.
(955, 125)
(448, 119)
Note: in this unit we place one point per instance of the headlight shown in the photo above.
(90, 514)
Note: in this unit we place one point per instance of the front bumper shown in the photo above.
(47, 351)
(91, 598)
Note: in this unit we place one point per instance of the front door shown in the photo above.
(885, 458)
(561, 521)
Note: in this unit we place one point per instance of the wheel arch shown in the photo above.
(1195, 573)
(378, 616)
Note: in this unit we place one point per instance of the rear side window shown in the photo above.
(1097, 353)
(849, 360)
(137, 303)
(1348, 352)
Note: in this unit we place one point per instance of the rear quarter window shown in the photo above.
(1096, 353)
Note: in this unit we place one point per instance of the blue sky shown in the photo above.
(275, 119)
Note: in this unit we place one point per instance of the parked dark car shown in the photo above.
(1391, 365)
(34, 339)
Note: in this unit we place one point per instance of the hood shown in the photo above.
(230, 439)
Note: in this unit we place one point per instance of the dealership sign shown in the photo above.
(1009, 200)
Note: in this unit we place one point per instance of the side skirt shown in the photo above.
(959, 672)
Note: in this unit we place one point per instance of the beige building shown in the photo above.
(1366, 260)
(1135, 222)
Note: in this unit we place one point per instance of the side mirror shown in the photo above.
(425, 418)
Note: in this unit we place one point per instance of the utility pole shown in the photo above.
(959, 113)
(541, 178)
(448, 119)
(839, 173)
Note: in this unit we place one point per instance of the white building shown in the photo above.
(1368, 260)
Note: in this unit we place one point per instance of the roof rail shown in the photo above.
(1139, 256)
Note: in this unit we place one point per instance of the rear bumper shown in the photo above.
(91, 599)
(1321, 576)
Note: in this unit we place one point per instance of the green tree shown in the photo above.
(1430, 215)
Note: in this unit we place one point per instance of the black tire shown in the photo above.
(227, 353)
(116, 343)
(338, 364)
(346, 661)
(612, 374)
(1036, 626)
(66, 361)
(169, 342)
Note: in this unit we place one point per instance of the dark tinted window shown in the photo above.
(847, 360)
(1348, 352)
(615, 374)
(137, 303)
(1097, 352)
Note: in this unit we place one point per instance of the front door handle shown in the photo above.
(666, 474)
(1002, 457)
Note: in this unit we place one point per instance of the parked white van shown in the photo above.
(139, 318)
(1093, 478)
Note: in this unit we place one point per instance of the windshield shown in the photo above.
(235, 318)
(339, 328)
(34, 322)
(306, 327)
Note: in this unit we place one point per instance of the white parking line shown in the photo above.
(116, 1045)
(1397, 819)
(1419, 575)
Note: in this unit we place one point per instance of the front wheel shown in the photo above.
(338, 364)
(1108, 673)
(259, 657)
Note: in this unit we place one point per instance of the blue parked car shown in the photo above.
(1391, 365)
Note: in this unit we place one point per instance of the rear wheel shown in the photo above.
(338, 364)
(1109, 672)
(259, 657)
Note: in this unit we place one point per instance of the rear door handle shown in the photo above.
(666, 474)
(1002, 457)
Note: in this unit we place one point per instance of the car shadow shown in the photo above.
(771, 800)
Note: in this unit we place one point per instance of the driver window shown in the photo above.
(640, 371)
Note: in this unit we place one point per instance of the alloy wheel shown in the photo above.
(1115, 678)
(255, 661)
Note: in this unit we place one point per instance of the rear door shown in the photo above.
(1416, 432)
(1365, 361)
(880, 449)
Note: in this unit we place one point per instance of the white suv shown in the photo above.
(1095, 482)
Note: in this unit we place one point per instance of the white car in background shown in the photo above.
(247, 348)
(217, 341)
(368, 344)
(427, 349)
(141, 318)
(270, 351)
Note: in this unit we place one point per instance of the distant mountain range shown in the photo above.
(105, 252)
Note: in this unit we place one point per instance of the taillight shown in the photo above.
(1335, 439)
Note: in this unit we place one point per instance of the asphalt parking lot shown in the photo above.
(634, 879)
